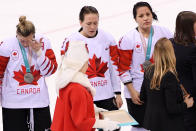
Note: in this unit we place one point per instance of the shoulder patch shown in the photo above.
(15, 55)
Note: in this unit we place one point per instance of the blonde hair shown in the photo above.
(164, 61)
(24, 27)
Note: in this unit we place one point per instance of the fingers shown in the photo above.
(191, 98)
(189, 102)
(118, 105)
(119, 102)
(137, 101)
(40, 40)
(187, 96)
(35, 46)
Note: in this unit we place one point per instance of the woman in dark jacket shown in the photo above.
(161, 92)
(184, 44)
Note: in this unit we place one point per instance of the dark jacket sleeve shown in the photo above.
(173, 97)
(193, 59)
(143, 96)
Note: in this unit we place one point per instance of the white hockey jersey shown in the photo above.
(132, 56)
(102, 71)
(16, 93)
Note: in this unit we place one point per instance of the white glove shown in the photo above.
(97, 109)
(106, 124)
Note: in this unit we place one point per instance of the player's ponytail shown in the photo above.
(24, 27)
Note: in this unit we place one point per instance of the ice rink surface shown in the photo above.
(59, 18)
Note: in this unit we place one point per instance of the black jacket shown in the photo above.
(186, 66)
(164, 107)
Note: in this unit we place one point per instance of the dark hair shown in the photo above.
(184, 32)
(142, 4)
(24, 27)
(87, 10)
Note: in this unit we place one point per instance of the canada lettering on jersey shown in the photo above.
(28, 91)
(99, 83)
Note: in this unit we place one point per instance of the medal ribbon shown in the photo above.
(148, 50)
(24, 57)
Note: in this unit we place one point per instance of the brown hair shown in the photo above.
(143, 4)
(24, 27)
(184, 32)
(164, 61)
(87, 10)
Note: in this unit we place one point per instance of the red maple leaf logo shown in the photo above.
(137, 46)
(125, 60)
(114, 54)
(15, 53)
(19, 76)
(96, 68)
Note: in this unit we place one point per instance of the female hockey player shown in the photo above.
(103, 59)
(135, 49)
(25, 60)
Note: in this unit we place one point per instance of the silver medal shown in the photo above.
(146, 64)
(28, 78)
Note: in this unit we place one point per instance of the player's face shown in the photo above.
(89, 25)
(25, 40)
(144, 17)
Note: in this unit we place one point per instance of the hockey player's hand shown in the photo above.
(119, 101)
(36, 46)
(135, 96)
(189, 101)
